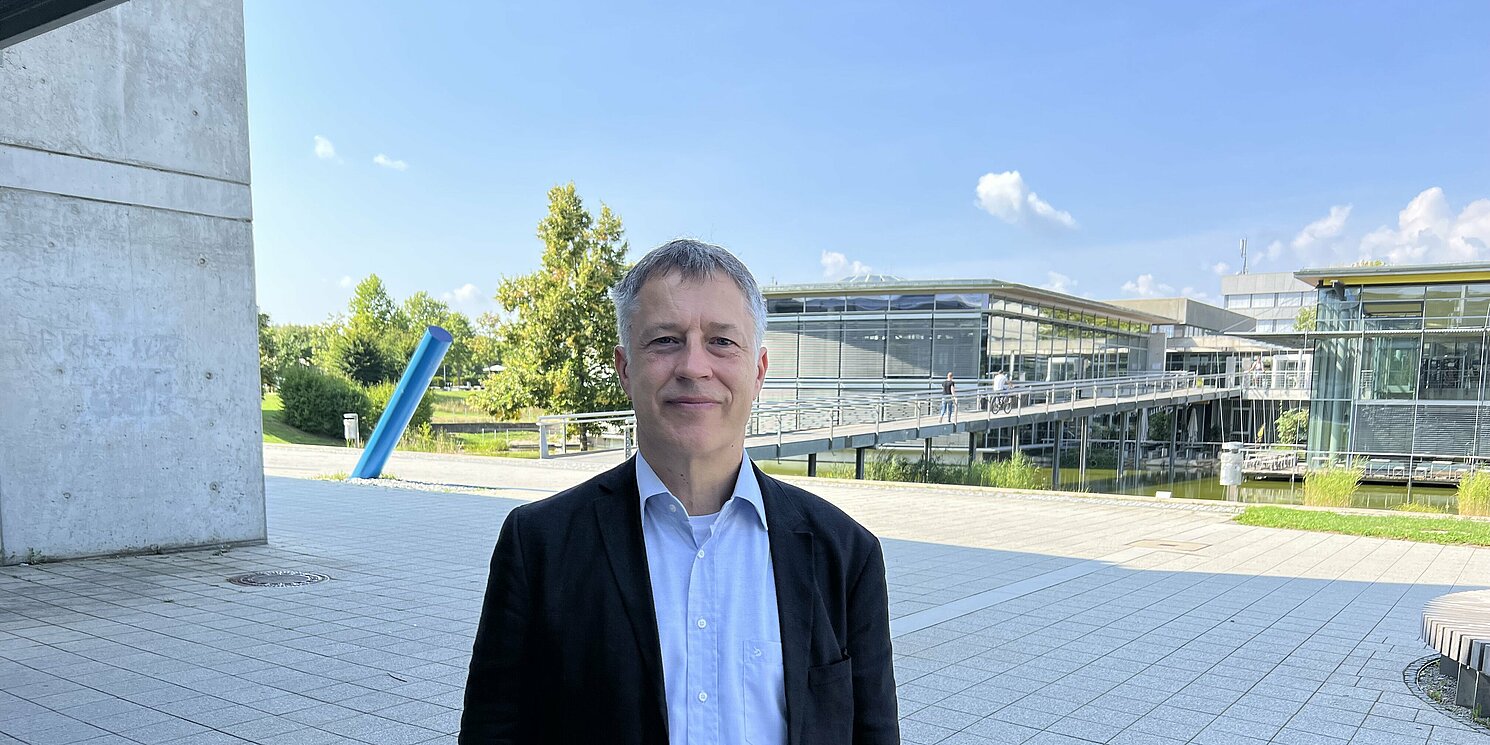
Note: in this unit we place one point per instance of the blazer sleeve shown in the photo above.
(875, 718)
(498, 709)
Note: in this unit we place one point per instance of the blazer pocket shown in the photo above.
(831, 673)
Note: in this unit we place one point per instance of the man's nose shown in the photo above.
(695, 362)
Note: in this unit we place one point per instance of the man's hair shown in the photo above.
(692, 260)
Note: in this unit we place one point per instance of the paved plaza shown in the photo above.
(1017, 619)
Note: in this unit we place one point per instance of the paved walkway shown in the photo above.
(1218, 634)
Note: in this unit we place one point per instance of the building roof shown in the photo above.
(1007, 290)
(1399, 274)
(22, 19)
(1185, 311)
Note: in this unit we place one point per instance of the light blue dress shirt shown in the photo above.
(715, 594)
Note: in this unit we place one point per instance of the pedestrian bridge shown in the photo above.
(780, 429)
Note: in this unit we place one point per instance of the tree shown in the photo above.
(1306, 318)
(267, 355)
(368, 348)
(363, 357)
(1292, 426)
(372, 308)
(557, 349)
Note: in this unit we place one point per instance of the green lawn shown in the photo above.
(1451, 530)
(452, 407)
(504, 444)
(275, 429)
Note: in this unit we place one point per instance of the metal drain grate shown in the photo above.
(277, 578)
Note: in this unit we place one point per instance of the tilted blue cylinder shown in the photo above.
(405, 400)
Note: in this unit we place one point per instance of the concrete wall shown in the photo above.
(128, 357)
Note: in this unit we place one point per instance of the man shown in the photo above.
(684, 597)
(949, 400)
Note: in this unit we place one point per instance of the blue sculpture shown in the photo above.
(401, 405)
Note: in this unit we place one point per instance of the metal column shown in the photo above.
(812, 464)
(1086, 430)
(1055, 462)
(859, 462)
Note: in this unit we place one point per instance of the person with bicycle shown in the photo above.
(1001, 399)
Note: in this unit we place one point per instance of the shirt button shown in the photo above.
(700, 554)
(702, 623)
(702, 697)
(757, 652)
(672, 508)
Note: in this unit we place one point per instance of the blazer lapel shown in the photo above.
(793, 565)
(618, 512)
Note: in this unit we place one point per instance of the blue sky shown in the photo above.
(1108, 150)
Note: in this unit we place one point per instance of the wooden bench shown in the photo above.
(1457, 626)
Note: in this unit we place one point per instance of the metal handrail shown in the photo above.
(863, 408)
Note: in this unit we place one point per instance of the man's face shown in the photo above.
(694, 368)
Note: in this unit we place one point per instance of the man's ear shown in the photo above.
(621, 369)
(761, 365)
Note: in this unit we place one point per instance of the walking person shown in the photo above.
(949, 401)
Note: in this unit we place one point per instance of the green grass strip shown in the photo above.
(1446, 530)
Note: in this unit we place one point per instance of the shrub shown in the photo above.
(1016, 472)
(378, 395)
(1332, 487)
(1474, 494)
(314, 401)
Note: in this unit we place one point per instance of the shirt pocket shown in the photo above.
(763, 688)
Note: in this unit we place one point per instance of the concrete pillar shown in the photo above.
(129, 365)
(1174, 433)
(1122, 453)
(812, 464)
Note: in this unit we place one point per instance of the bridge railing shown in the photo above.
(1296, 460)
(616, 429)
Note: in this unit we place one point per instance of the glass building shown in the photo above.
(881, 334)
(1399, 360)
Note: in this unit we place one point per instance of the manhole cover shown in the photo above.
(277, 578)
(1169, 545)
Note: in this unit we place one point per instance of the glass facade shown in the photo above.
(888, 337)
(1400, 370)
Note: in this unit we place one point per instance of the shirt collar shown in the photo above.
(747, 486)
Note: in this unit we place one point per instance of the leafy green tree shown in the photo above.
(368, 348)
(300, 344)
(486, 342)
(372, 308)
(1306, 318)
(1292, 426)
(268, 364)
(557, 347)
(363, 357)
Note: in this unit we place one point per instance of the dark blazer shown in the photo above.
(567, 650)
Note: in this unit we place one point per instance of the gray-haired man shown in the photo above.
(684, 596)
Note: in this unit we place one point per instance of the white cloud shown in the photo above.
(1007, 197)
(324, 149)
(388, 162)
(1275, 249)
(1427, 231)
(1059, 283)
(1221, 268)
(1323, 229)
(837, 266)
(463, 294)
(1144, 285)
(345, 282)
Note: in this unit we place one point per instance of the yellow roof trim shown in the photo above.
(1436, 278)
